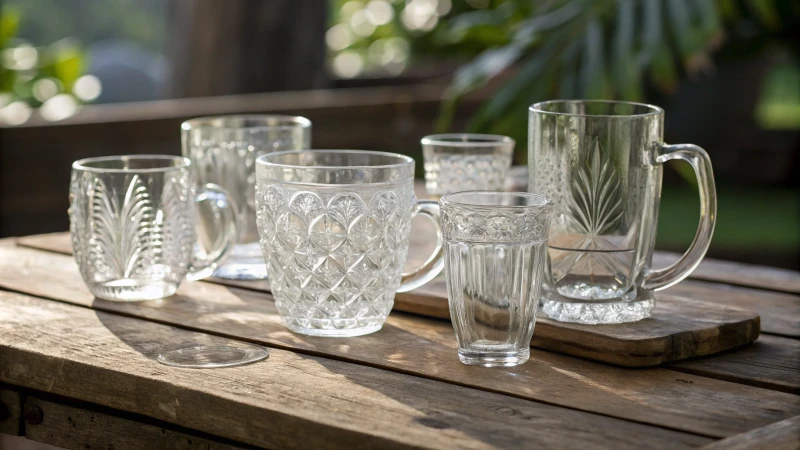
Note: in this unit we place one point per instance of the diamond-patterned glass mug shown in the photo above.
(457, 162)
(223, 151)
(334, 228)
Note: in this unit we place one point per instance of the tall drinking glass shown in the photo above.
(601, 163)
(334, 228)
(494, 245)
(223, 151)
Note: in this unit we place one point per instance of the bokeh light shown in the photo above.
(45, 88)
(348, 64)
(338, 37)
(379, 12)
(87, 88)
(58, 107)
(15, 113)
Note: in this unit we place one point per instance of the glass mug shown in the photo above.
(334, 228)
(223, 151)
(601, 163)
(132, 221)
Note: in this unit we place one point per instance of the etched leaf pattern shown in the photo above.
(121, 234)
(174, 222)
(595, 205)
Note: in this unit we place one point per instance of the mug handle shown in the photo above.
(698, 158)
(224, 213)
(435, 263)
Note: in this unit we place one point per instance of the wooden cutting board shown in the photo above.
(680, 327)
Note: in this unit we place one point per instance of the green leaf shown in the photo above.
(526, 78)
(663, 72)
(9, 23)
(593, 71)
(651, 33)
(626, 75)
(569, 69)
(682, 28)
(68, 63)
(766, 12)
(483, 68)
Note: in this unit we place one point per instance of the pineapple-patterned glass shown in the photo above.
(601, 163)
(132, 222)
(223, 151)
(334, 228)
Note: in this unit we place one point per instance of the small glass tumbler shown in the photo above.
(132, 220)
(223, 151)
(466, 162)
(495, 246)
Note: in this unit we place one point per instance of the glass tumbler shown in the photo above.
(132, 220)
(601, 163)
(495, 249)
(334, 229)
(465, 162)
(223, 151)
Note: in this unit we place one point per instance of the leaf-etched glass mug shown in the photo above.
(132, 221)
(601, 163)
(334, 229)
(223, 151)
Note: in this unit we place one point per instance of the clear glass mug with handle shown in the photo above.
(132, 221)
(334, 228)
(601, 162)
(223, 151)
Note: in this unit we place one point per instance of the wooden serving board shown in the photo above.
(681, 326)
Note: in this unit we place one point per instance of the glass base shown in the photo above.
(130, 290)
(494, 359)
(244, 263)
(598, 312)
(241, 271)
(208, 357)
(336, 332)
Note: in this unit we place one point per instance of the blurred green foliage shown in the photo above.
(610, 49)
(30, 76)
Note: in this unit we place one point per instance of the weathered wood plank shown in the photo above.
(780, 312)
(427, 348)
(748, 275)
(75, 428)
(772, 362)
(783, 435)
(288, 400)
(10, 410)
(679, 328)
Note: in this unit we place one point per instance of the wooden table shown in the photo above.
(80, 373)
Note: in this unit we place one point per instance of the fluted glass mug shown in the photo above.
(601, 162)
(132, 222)
(334, 228)
(223, 151)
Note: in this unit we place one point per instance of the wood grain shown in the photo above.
(763, 277)
(427, 348)
(780, 312)
(288, 400)
(772, 362)
(680, 327)
(77, 428)
(10, 410)
(783, 435)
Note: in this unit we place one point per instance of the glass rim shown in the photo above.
(450, 199)
(654, 110)
(488, 140)
(404, 160)
(85, 164)
(286, 122)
